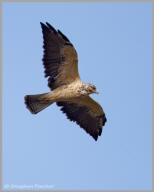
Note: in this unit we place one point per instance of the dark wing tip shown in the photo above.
(65, 38)
(96, 133)
(104, 119)
(95, 137)
(50, 27)
(44, 27)
(100, 132)
(99, 129)
(42, 24)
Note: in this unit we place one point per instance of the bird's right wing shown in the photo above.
(60, 58)
(85, 112)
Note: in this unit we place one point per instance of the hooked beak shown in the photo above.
(96, 91)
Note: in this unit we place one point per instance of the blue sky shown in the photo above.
(114, 45)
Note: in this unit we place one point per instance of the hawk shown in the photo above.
(70, 93)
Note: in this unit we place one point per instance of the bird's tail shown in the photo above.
(36, 103)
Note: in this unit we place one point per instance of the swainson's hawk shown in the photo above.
(60, 62)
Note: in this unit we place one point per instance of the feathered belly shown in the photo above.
(63, 94)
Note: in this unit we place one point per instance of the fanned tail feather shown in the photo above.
(35, 103)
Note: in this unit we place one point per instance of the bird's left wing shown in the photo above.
(60, 58)
(85, 112)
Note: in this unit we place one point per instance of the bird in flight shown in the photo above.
(70, 93)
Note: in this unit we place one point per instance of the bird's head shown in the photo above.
(92, 88)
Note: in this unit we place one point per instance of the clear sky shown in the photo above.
(114, 45)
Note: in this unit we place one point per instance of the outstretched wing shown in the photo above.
(60, 58)
(85, 112)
